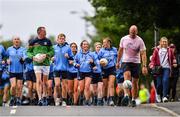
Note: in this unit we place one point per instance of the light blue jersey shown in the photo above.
(61, 62)
(51, 68)
(110, 54)
(84, 60)
(2, 55)
(15, 55)
(28, 63)
(97, 63)
(72, 68)
(5, 73)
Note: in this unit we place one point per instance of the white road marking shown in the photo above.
(166, 110)
(14, 106)
(13, 111)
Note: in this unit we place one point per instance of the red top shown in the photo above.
(155, 61)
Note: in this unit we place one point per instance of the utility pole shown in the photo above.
(156, 35)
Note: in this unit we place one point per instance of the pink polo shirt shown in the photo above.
(131, 48)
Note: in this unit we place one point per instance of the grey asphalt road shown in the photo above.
(141, 110)
(174, 106)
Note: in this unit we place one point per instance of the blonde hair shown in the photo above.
(62, 35)
(97, 43)
(107, 39)
(165, 38)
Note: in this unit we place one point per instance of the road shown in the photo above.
(167, 109)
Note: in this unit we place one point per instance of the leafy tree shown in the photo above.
(113, 17)
(6, 44)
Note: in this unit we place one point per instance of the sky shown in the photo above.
(22, 17)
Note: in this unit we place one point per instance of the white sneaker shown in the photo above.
(111, 103)
(5, 104)
(64, 103)
(57, 102)
(165, 99)
(158, 98)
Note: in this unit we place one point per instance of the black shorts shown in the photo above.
(4, 83)
(109, 71)
(51, 76)
(96, 77)
(1, 74)
(61, 74)
(18, 76)
(134, 68)
(82, 75)
(72, 76)
(119, 80)
(30, 76)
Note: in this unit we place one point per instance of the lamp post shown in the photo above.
(156, 35)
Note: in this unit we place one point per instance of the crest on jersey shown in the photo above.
(45, 43)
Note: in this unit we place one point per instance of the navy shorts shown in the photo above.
(82, 75)
(18, 76)
(109, 71)
(134, 68)
(30, 76)
(96, 77)
(72, 76)
(51, 76)
(61, 74)
(4, 83)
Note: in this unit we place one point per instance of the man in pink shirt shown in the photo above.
(133, 49)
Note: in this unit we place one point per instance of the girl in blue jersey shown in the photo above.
(30, 78)
(84, 62)
(4, 77)
(119, 84)
(109, 71)
(2, 55)
(72, 77)
(15, 61)
(4, 84)
(62, 56)
(97, 84)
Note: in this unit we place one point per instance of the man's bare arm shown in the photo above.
(144, 62)
(144, 58)
(120, 53)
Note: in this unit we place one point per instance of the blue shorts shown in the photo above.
(4, 83)
(18, 76)
(109, 71)
(134, 68)
(30, 76)
(82, 75)
(72, 76)
(96, 77)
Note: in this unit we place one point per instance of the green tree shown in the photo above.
(113, 18)
(6, 44)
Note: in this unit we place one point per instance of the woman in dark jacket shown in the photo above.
(174, 76)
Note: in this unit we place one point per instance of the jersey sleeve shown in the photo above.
(142, 45)
(121, 43)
